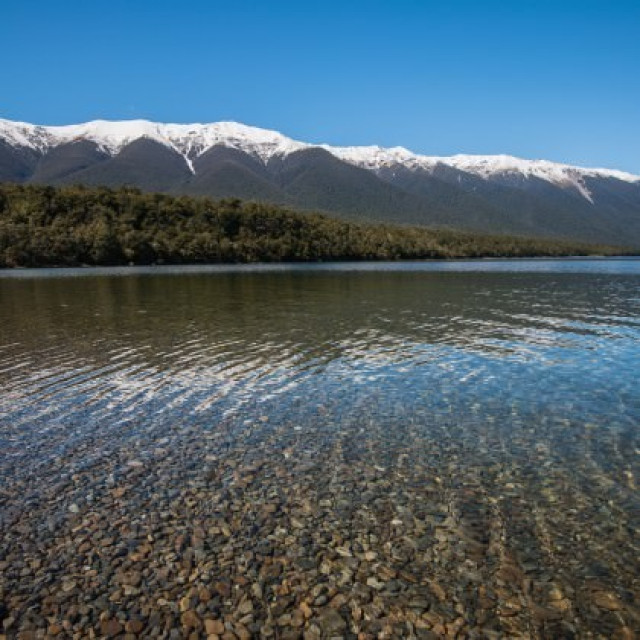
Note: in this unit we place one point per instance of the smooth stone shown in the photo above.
(214, 627)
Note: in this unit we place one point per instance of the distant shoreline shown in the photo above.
(569, 265)
(287, 264)
(268, 266)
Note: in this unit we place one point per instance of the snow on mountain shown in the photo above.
(192, 140)
(563, 175)
(189, 140)
(487, 167)
(23, 134)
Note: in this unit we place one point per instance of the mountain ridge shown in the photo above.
(192, 140)
(494, 194)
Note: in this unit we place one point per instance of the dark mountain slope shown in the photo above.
(537, 207)
(454, 206)
(316, 180)
(61, 163)
(146, 164)
(223, 172)
(16, 164)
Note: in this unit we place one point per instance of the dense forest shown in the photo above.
(49, 226)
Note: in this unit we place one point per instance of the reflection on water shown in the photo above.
(490, 411)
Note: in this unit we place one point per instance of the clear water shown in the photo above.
(491, 405)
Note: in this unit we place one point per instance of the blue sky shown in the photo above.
(557, 80)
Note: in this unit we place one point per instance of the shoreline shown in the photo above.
(308, 266)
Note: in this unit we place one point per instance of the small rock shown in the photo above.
(134, 626)
(245, 607)
(242, 632)
(134, 579)
(331, 623)
(256, 589)
(110, 628)
(607, 601)
(214, 627)
(555, 594)
(297, 618)
(191, 620)
(375, 583)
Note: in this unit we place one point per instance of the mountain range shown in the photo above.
(500, 194)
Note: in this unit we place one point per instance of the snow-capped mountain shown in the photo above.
(490, 193)
(193, 140)
(189, 140)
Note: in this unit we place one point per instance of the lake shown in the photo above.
(419, 450)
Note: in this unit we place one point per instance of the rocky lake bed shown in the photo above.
(320, 455)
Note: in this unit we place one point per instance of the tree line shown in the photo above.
(77, 225)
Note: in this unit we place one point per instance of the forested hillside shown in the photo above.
(49, 226)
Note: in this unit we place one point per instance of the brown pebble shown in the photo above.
(438, 591)
(185, 604)
(245, 607)
(110, 628)
(297, 618)
(242, 632)
(134, 579)
(561, 605)
(214, 627)
(191, 620)
(606, 601)
(338, 601)
(134, 626)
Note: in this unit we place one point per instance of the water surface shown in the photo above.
(448, 446)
